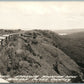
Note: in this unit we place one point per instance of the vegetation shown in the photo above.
(73, 46)
(38, 52)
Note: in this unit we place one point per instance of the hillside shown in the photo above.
(36, 52)
(73, 46)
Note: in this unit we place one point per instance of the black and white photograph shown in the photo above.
(41, 42)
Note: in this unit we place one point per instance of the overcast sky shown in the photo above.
(41, 15)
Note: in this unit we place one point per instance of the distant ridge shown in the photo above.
(69, 31)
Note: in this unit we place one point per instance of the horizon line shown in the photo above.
(41, 0)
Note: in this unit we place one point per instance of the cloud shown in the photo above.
(42, 15)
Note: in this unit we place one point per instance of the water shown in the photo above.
(62, 33)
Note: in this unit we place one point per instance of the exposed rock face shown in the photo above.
(36, 53)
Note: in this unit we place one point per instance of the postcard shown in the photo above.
(41, 41)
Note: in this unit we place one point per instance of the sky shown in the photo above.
(52, 15)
